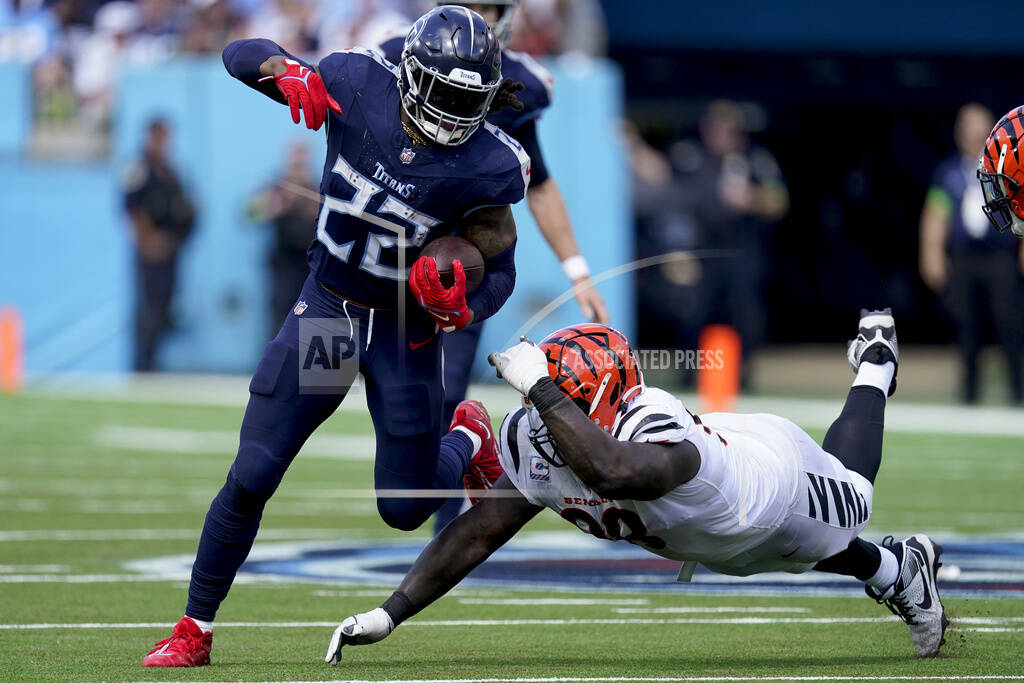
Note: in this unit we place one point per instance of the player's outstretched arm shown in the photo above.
(612, 468)
(469, 540)
(265, 66)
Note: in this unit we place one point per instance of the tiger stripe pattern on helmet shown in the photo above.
(595, 367)
(1001, 172)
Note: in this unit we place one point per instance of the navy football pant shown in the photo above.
(405, 398)
(459, 352)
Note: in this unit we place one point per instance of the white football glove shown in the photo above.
(522, 366)
(361, 629)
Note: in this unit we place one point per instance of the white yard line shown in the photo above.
(712, 610)
(218, 442)
(662, 679)
(33, 535)
(744, 621)
(554, 601)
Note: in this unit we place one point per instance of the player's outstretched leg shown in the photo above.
(900, 575)
(484, 468)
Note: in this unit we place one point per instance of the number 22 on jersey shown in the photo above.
(364, 190)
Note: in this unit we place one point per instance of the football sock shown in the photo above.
(453, 460)
(874, 375)
(861, 559)
(855, 438)
(888, 570)
(473, 436)
(206, 626)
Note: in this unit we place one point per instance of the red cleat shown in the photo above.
(187, 646)
(485, 468)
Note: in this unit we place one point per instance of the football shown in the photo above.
(446, 249)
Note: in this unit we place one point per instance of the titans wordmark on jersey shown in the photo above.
(750, 508)
(384, 197)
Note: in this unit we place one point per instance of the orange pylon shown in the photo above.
(12, 350)
(718, 379)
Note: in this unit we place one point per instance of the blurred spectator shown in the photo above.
(962, 258)
(738, 193)
(115, 43)
(292, 214)
(291, 24)
(363, 23)
(53, 90)
(28, 30)
(162, 218)
(554, 27)
(212, 25)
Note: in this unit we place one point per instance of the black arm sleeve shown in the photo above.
(526, 135)
(243, 58)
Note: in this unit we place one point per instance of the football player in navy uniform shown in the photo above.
(543, 196)
(409, 158)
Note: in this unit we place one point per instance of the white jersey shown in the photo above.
(766, 496)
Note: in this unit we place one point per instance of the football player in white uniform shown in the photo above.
(740, 494)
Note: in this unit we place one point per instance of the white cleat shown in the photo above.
(875, 342)
(914, 597)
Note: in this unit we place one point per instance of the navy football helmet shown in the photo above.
(450, 73)
(502, 27)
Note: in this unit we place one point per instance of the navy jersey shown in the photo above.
(381, 191)
(537, 84)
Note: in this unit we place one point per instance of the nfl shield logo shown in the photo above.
(300, 308)
(407, 155)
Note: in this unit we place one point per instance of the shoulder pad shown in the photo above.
(518, 160)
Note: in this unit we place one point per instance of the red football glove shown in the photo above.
(302, 87)
(446, 305)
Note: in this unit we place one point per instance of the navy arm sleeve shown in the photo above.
(526, 135)
(243, 58)
(497, 285)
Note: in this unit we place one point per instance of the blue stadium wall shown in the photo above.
(66, 263)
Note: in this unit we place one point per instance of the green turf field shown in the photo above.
(86, 486)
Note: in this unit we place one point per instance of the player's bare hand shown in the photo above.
(302, 89)
(360, 629)
(590, 300)
(522, 365)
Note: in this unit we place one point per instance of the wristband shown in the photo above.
(398, 607)
(545, 395)
(575, 267)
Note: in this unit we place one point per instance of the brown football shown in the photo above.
(449, 248)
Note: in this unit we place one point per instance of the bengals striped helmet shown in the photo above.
(1001, 173)
(594, 366)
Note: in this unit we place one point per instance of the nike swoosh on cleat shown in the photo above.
(926, 601)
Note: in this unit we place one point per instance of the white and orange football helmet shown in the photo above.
(1001, 173)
